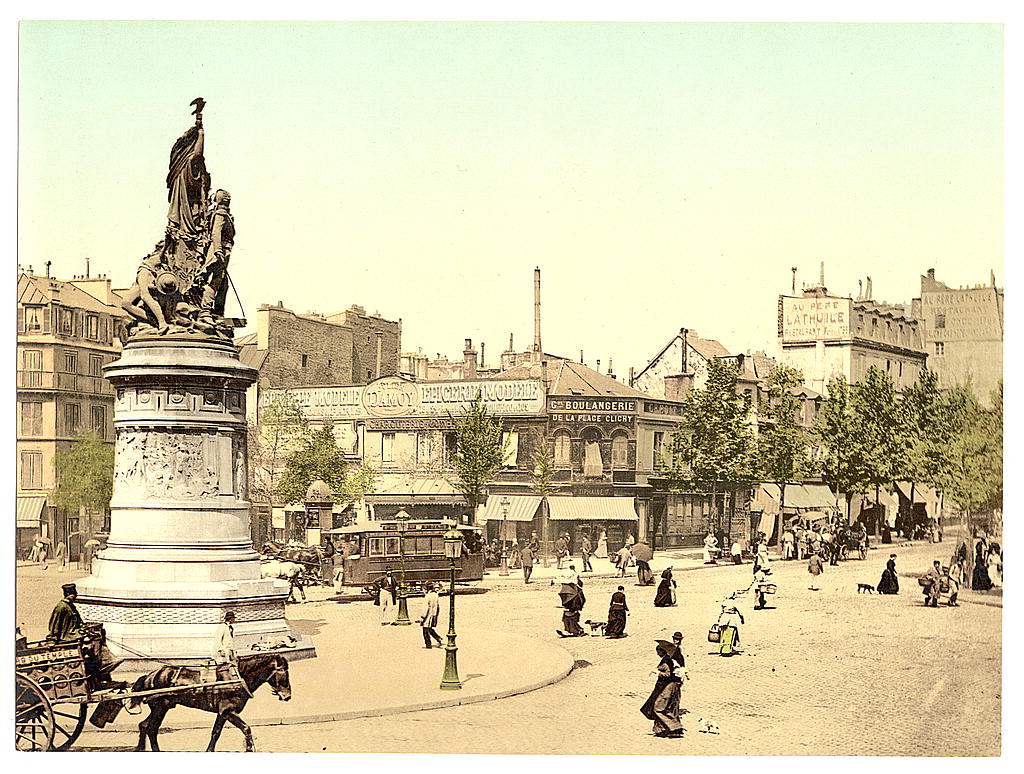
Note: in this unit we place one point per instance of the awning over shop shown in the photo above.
(29, 510)
(564, 508)
(397, 489)
(520, 508)
(922, 494)
(809, 497)
(766, 500)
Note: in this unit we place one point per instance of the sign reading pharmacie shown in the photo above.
(393, 396)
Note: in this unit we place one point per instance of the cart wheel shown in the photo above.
(68, 722)
(33, 717)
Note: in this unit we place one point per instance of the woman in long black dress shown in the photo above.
(889, 584)
(662, 706)
(980, 580)
(666, 596)
(617, 609)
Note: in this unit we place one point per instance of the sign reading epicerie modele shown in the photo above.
(810, 319)
(393, 396)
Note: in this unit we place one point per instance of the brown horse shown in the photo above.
(226, 701)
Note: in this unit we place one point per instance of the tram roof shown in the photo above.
(378, 526)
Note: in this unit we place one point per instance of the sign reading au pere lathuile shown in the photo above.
(810, 319)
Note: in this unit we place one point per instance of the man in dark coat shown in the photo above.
(561, 551)
(65, 621)
(586, 549)
(526, 557)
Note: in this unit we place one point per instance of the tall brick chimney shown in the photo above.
(536, 316)
(469, 360)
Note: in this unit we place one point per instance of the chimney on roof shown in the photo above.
(611, 373)
(468, 360)
(821, 281)
(380, 352)
(48, 269)
(685, 359)
(598, 369)
(481, 355)
(793, 269)
(536, 315)
(860, 290)
(632, 376)
(87, 267)
(931, 274)
(581, 357)
(868, 294)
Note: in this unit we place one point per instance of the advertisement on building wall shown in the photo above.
(812, 319)
(592, 411)
(393, 396)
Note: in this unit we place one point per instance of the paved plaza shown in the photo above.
(831, 672)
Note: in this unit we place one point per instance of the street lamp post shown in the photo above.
(505, 503)
(402, 619)
(453, 551)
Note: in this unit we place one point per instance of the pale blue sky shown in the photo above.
(661, 175)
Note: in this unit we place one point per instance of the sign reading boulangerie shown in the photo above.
(393, 396)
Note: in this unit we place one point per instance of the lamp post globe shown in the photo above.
(453, 553)
(402, 619)
(505, 504)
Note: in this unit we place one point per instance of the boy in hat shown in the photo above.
(224, 655)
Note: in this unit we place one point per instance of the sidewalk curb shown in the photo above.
(448, 700)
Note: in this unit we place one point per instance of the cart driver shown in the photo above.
(65, 621)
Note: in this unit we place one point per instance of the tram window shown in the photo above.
(391, 546)
(418, 546)
(437, 545)
(376, 547)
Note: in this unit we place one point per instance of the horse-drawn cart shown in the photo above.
(56, 682)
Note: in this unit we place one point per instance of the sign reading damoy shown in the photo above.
(391, 396)
(396, 397)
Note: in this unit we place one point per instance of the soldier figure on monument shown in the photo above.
(215, 270)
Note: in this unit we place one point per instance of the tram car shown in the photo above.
(367, 551)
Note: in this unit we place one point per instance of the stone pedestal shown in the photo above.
(180, 553)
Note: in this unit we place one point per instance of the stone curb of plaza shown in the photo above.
(558, 663)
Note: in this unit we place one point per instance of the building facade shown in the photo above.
(601, 436)
(963, 333)
(350, 347)
(825, 336)
(67, 332)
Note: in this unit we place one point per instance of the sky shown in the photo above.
(661, 175)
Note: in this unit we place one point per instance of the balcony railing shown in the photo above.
(48, 380)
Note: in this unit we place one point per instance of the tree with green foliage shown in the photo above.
(880, 425)
(714, 445)
(317, 458)
(282, 426)
(360, 480)
(85, 476)
(974, 477)
(933, 422)
(543, 484)
(479, 452)
(714, 442)
(783, 448)
(783, 444)
(840, 452)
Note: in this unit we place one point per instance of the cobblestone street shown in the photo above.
(831, 672)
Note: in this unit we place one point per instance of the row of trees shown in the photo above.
(867, 435)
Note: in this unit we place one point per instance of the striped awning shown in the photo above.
(30, 508)
(565, 508)
(520, 508)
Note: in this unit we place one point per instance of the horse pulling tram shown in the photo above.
(56, 682)
(413, 546)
